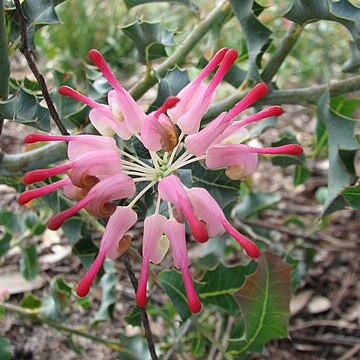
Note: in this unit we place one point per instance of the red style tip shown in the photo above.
(291, 149)
(169, 103)
(260, 89)
(66, 91)
(199, 231)
(252, 250)
(194, 305)
(33, 138)
(294, 149)
(95, 56)
(230, 56)
(275, 110)
(83, 287)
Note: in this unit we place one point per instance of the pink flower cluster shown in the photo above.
(99, 173)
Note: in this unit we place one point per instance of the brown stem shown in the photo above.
(144, 317)
(24, 48)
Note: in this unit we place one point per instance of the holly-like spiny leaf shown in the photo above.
(38, 13)
(25, 108)
(214, 288)
(352, 196)
(257, 35)
(264, 302)
(150, 39)
(343, 12)
(170, 85)
(224, 190)
(342, 147)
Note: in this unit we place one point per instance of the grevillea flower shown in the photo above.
(98, 173)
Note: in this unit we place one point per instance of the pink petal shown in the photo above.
(219, 156)
(90, 167)
(122, 104)
(176, 234)
(106, 124)
(82, 144)
(207, 209)
(153, 250)
(119, 223)
(151, 133)
(199, 142)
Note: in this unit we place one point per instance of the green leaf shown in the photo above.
(344, 106)
(134, 318)
(352, 196)
(352, 64)
(108, 297)
(257, 35)
(25, 108)
(172, 283)
(131, 3)
(5, 243)
(5, 349)
(150, 39)
(217, 286)
(254, 202)
(264, 302)
(343, 12)
(30, 301)
(54, 304)
(29, 262)
(302, 173)
(224, 190)
(169, 85)
(342, 147)
(38, 13)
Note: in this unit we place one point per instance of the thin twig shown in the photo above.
(301, 96)
(282, 51)
(4, 61)
(294, 233)
(24, 48)
(180, 334)
(349, 354)
(334, 340)
(341, 324)
(144, 317)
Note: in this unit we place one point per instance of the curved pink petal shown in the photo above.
(119, 223)
(106, 125)
(82, 144)
(124, 107)
(207, 209)
(153, 250)
(176, 234)
(219, 156)
(90, 167)
(199, 142)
